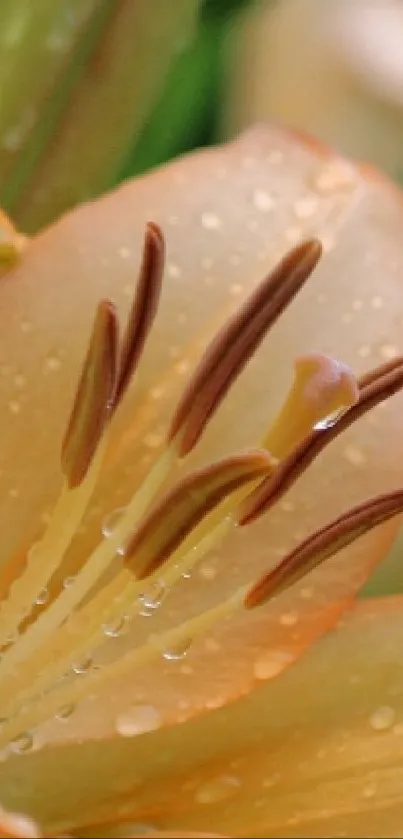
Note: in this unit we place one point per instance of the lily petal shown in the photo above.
(229, 214)
(318, 752)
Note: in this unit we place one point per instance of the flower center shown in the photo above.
(163, 533)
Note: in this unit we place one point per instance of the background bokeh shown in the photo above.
(94, 91)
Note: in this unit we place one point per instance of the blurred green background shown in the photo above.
(95, 91)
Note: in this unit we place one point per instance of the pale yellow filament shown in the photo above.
(174, 639)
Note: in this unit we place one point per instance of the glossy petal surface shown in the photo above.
(229, 214)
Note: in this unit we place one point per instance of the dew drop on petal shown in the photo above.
(329, 421)
(152, 599)
(288, 618)
(218, 789)
(68, 581)
(210, 221)
(383, 718)
(115, 629)
(369, 791)
(82, 667)
(263, 201)
(42, 597)
(271, 663)
(137, 720)
(179, 651)
(23, 743)
(65, 712)
(110, 524)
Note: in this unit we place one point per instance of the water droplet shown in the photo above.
(271, 663)
(306, 592)
(335, 177)
(23, 743)
(53, 363)
(369, 791)
(65, 712)
(115, 629)
(263, 201)
(112, 522)
(173, 270)
(82, 667)
(124, 252)
(388, 352)
(137, 720)
(330, 420)
(20, 380)
(68, 581)
(42, 597)
(288, 618)
(218, 789)
(179, 651)
(210, 221)
(354, 455)
(207, 572)
(235, 289)
(383, 718)
(151, 600)
(187, 575)
(305, 207)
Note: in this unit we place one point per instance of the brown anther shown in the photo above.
(184, 507)
(93, 401)
(375, 387)
(322, 387)
(143, 309)
(380, 372)
(237, 341)
(323, 544)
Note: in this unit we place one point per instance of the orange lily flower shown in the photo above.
(161, 572)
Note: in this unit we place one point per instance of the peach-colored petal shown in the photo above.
(346, 87)
(228, 213)
(318, 752)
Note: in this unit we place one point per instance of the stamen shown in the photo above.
(82, 463)
(97, 563)
(183, 508)
(46, 706)
(192, 516)
(322, 388)
(378, 373)
(143, 309)
(375, 387)
(234, 345)
(323, 544)
(92, 405)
